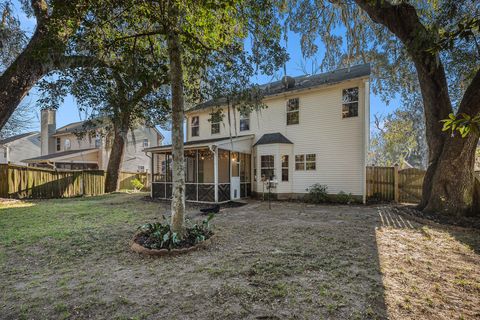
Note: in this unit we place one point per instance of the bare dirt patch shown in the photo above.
(71, 259)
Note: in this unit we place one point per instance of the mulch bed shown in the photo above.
(464, 222)
(139, 241)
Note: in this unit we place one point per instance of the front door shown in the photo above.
(235, 177)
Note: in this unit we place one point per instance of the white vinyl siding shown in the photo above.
(338, 143)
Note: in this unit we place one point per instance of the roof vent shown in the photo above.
(288, 82)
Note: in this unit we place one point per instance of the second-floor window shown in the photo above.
(350, 102)
(244, 121)
(293, 111)
(146, 143)
(67, 144)
(215, 127)
(195, 126)
(59, 144)
(98, 141)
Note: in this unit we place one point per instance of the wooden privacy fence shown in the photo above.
(391, 184)
(37, 183)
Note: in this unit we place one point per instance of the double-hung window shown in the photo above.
(293, 111)
(299, 162)
(215, 127)
(244, 121)
(68, 144)
(285, 168)
(146, 143)
(306, 162)
(195, 126)
(59, 144)
(350, 102)
(267, 167)
(310, 161)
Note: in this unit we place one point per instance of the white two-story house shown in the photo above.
(315, 129)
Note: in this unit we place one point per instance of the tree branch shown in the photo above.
(40, 9)
(67, 62)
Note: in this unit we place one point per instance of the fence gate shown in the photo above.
(410, 182)
(380, 183)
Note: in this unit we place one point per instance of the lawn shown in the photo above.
(70, 259)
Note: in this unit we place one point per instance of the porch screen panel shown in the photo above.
(191, 166)
(159, 167)
(205, 166)
(223, 169)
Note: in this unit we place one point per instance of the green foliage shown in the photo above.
(463, 123)
(342, 198)
(137, 184)
(160, 235)
(317, 193)
(398, 138)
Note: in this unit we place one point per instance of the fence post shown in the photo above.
(396, 194)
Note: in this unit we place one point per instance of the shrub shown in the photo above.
(160, 235)
(343, 198)
(317, 193)
(137, 184)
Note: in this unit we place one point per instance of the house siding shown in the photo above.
(21, 149)
(339, 144)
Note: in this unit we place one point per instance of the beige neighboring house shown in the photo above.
(14, 149)
(315, 130)
(64, 148)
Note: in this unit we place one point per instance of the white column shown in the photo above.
(215, 172)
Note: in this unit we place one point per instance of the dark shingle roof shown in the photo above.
(270, 138)
(19, 136)
(301, 82)
(58, 154)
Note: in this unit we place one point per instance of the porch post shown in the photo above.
(215, 172)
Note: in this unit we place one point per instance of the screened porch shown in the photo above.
(212, 175)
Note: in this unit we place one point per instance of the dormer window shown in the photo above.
(293, 111)
(350, 103)
(195, 126)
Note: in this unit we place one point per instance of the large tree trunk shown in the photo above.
(17, 80)
(116, 158)
(448, 183)
(176, 78)
(44, 52)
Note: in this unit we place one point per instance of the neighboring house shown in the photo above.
(315, 130)
(15, 149)
(67, 148)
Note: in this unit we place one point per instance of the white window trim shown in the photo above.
(287, 112)
(305, 161)
(219, 128)
(357, 102)
(192, 126)
(244, 117)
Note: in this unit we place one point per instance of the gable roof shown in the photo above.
(77, 127)
(58, 155)
(300, 83)
(18, 136)
(271, 138)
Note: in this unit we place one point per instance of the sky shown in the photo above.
(68, 112)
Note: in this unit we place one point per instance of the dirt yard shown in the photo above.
(70, 259)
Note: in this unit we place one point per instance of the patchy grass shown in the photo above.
(70, 259)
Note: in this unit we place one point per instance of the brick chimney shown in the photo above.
(47, 129)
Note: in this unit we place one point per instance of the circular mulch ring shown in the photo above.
(165, 252)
